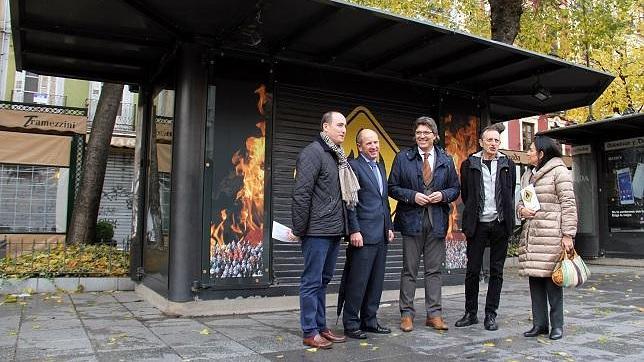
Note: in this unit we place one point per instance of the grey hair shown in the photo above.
(429, 122)
(499, 127)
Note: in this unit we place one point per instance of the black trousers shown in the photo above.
(494, 233)
(363, 287)
(543, 292)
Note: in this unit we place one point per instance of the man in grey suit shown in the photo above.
(370, 230)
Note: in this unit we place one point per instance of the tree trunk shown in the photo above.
(505, 17)
(82, 227)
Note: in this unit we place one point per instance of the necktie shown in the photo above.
(427, 170)
(376, 173)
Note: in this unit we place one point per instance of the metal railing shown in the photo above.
(30, 258)
(125, 118)
(38, 98)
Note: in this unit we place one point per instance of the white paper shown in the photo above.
(282, 232)
(529, 197)
(638, 181)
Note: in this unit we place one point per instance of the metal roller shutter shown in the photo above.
(296, 121)
(116, 199)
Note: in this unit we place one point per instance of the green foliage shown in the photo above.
(67, 260)
(104, 232)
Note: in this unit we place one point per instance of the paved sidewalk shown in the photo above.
(604, 321)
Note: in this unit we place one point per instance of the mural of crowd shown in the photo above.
(236, 260)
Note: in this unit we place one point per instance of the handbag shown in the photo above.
(570, 270)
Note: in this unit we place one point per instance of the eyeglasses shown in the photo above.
(423, 133)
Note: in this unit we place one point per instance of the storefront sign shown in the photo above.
(622, 144)
(57, 123)
(164, 131)
(581, 150)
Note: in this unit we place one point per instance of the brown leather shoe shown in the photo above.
(317, 341)
(406, 324)
(333, 337)
(436, 323)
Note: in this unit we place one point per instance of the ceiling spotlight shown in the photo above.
(540, 93)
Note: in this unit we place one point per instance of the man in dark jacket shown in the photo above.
(324, 182)
(488, 180)
(424, 181)
(370, 230)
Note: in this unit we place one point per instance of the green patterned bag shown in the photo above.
(570, 270)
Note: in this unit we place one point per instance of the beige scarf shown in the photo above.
(348, 180)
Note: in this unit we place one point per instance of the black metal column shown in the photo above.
(188, 145)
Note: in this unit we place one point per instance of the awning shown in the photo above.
(611, 129)
(130, 40)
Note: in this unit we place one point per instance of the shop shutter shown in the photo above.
(296, 121)
(116, 199)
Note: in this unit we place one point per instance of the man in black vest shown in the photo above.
(488, 180)
(370, 230)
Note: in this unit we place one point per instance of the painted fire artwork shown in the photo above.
(460, 141)
(236, 239)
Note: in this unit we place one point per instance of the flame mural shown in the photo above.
(236, 241)
(460, 141)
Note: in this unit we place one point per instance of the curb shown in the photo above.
(71, 284)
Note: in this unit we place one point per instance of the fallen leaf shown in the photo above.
(602, 340)
(204, 332)
(115, 338)
(279, 356)
(561, 353)
(374, 348)
(395, 334)
(279, 338)
(36, 326)
(13, 333)
(509, 340)
(10, 298)
(483, 350)
(489, 344)
(593, 289)
(364, 344)
(312, 350)
(542, 341)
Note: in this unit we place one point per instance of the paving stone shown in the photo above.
(601, 324)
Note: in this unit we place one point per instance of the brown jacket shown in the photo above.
(540, 245)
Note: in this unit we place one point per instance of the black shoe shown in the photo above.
(535, 331)
(379, 329)
(468, 319)
(355, 334)
(556, 333)
(490, 322)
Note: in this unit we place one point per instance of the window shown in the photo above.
(31, 87)
(33, 199)
(528, 134)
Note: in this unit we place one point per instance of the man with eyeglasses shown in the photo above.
(424, 181)
(488, 180)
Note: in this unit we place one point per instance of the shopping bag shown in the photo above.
(570, 270)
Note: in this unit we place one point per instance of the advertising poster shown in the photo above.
(461, 139)
(625, 185)
(237, 242)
